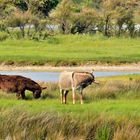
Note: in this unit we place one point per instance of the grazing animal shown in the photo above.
(75, 81)
(18, 84)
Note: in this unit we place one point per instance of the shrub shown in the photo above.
(3, 36)
(17, 34)
(2, 26)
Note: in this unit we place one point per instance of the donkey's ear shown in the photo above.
(92, 70)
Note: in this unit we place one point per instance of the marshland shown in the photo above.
(110, 111)
(70, 50)
(41, 38)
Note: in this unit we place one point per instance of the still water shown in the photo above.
(53, 76)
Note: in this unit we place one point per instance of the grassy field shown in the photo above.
(111, 111)
(70, 50)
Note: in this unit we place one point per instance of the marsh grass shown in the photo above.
(111, 112)
(109, 89)
(70, 50)
(127, 131)
(114, 89)
(53, 126)
(127, 87)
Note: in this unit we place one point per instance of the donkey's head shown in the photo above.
(93, 77)
(37, 93)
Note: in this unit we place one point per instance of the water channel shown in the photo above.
(53, 76)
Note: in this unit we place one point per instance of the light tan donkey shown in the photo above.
(75, 81)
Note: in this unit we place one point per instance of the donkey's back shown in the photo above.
(65, 80)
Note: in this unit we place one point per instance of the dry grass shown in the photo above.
(51, 126)
(127, 132)
(114, 89)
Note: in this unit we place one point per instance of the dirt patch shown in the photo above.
(96, 67)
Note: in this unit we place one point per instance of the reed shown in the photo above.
(44, 126)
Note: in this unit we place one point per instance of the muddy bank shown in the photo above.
(123, 67)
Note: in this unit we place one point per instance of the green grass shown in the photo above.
(110, 112)
(71, 50)
(105, 106)
(114, 94)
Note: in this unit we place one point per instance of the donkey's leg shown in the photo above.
(73, 95)
(65, 96)
(23, 94)
(61, 95)
(81, 96)
(18, 94)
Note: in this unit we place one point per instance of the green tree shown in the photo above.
(114, 14)
(125, 15)
(6, 8)
(42, 6)
(85, 20)
(47, 6)
(19, 19)
(106, 13)
(62, 14)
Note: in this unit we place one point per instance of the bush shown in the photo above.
(2, 26)
(3, 36)
(17, 34)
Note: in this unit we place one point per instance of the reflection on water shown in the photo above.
(53, 76)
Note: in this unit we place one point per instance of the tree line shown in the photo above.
(28, 18)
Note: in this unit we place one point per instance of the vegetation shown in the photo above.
(111, 111)
(70, 50)
(96, 31)
(111, 18)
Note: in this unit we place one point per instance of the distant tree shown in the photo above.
(5, 10)
(20, 13)
(111, 17)
(42, 6)
(106, 13)
(62, 14)
(47, 6)
(21, 4)
(114, 14)
(85, 20)
(19, 19)
(126, 15)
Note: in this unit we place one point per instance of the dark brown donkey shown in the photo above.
(18, 84)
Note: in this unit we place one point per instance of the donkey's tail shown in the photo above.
(96, 82)
(44, 88)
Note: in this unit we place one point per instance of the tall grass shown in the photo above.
(127, 131)
(110, 88)
(70, 50)
(17, 125)
(111, 112)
